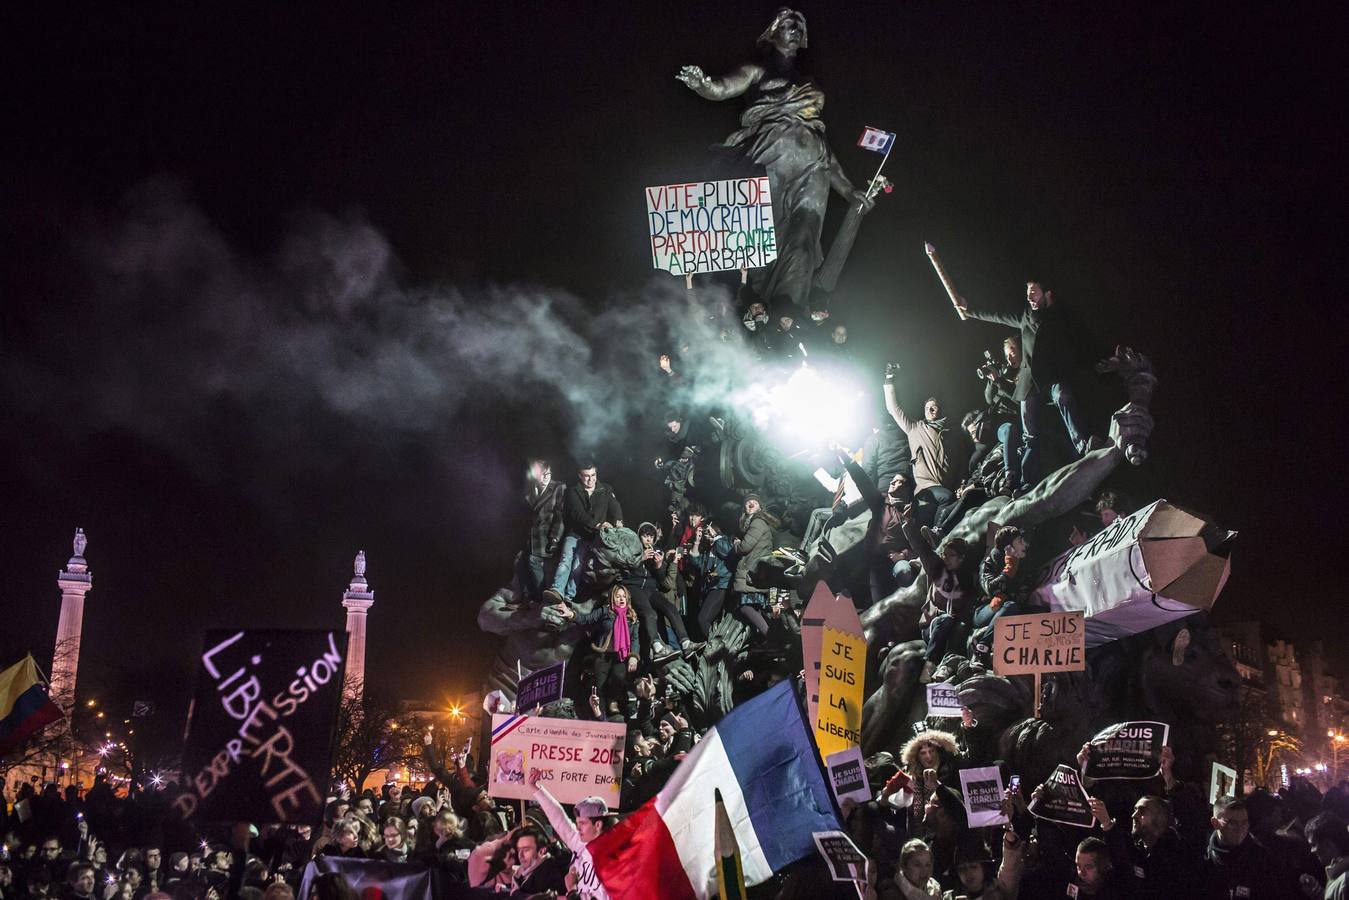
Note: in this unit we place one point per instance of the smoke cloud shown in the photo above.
(325, 343)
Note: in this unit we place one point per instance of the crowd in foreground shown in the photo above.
(1152, 839)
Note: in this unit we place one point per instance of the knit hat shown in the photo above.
(592, 808)
(420, 804)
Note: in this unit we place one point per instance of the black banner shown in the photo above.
(260, 728)
(1127, 750)
(1061, 799)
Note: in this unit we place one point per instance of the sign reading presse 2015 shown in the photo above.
(575, 758)
(711, 226)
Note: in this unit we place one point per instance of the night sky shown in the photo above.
(236, 239)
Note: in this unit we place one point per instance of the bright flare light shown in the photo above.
(812, 407)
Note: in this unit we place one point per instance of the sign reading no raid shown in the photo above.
(1039, 643)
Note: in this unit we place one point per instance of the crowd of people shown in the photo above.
(638, 600)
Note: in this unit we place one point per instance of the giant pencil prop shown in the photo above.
(945, 279)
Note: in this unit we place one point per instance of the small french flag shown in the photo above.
(877, 140)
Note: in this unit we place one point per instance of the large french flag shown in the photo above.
(762, 759)
(24, 705)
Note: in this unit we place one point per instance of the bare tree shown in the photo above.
(372, 734)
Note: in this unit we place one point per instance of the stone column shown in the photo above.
(358, 599)
(74, 581)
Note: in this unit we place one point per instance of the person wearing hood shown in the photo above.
(755, 544)
(940, 456)
(931, 758)
(1235, 863)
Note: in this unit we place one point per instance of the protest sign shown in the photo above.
(942, 701)
(575, 758)
(540, 688)
(1127, 750)
(834, 652)
(1142, 570)
(846, 862)
(1061, 799)
(840, 711)
(982, 790)
(848, 775)
(260, 727)
(1222, 783)
(711, 226)
(1038, 643)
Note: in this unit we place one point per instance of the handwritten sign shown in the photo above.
(540, 688)
(942, 701)
(848, 775)
(711, 226)
(1038, 643)
(575, 759)
(982, 791)
(839, 725)
(846, 862)
(260, 728)
(1062, 799)
(1127, 750)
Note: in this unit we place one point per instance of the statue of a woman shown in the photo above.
(781, 130)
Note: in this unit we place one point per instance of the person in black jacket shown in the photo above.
(1235, 863)
(1050, 344)
(543, 496)
(1161, 867)
(588, 507)
(1002, 418)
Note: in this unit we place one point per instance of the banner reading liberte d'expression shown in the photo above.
(711, 226)
(260, 728)
(575, 758)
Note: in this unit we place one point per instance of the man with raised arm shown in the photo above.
(1050, 350)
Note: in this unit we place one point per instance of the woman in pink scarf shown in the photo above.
(616, 640)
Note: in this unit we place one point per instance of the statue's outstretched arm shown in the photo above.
(732, 85)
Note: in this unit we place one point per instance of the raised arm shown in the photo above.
(732, 85)
(892, 406)
(996, 318)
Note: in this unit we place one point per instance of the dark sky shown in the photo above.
(230, 234)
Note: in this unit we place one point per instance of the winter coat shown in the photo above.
(1166, 872)
(545, 518)
(1247, 865)
(948, 753)
(711, 565)
(584, 512)
(599, 626)
(1051, 346)
(948, 592)
(940, 453)
(886, 452)
(756, 544)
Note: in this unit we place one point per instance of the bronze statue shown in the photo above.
(782, 131)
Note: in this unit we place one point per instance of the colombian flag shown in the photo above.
(24, 705)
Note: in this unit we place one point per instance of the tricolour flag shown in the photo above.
(762, 760)
(875, 139)
(24, 705)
